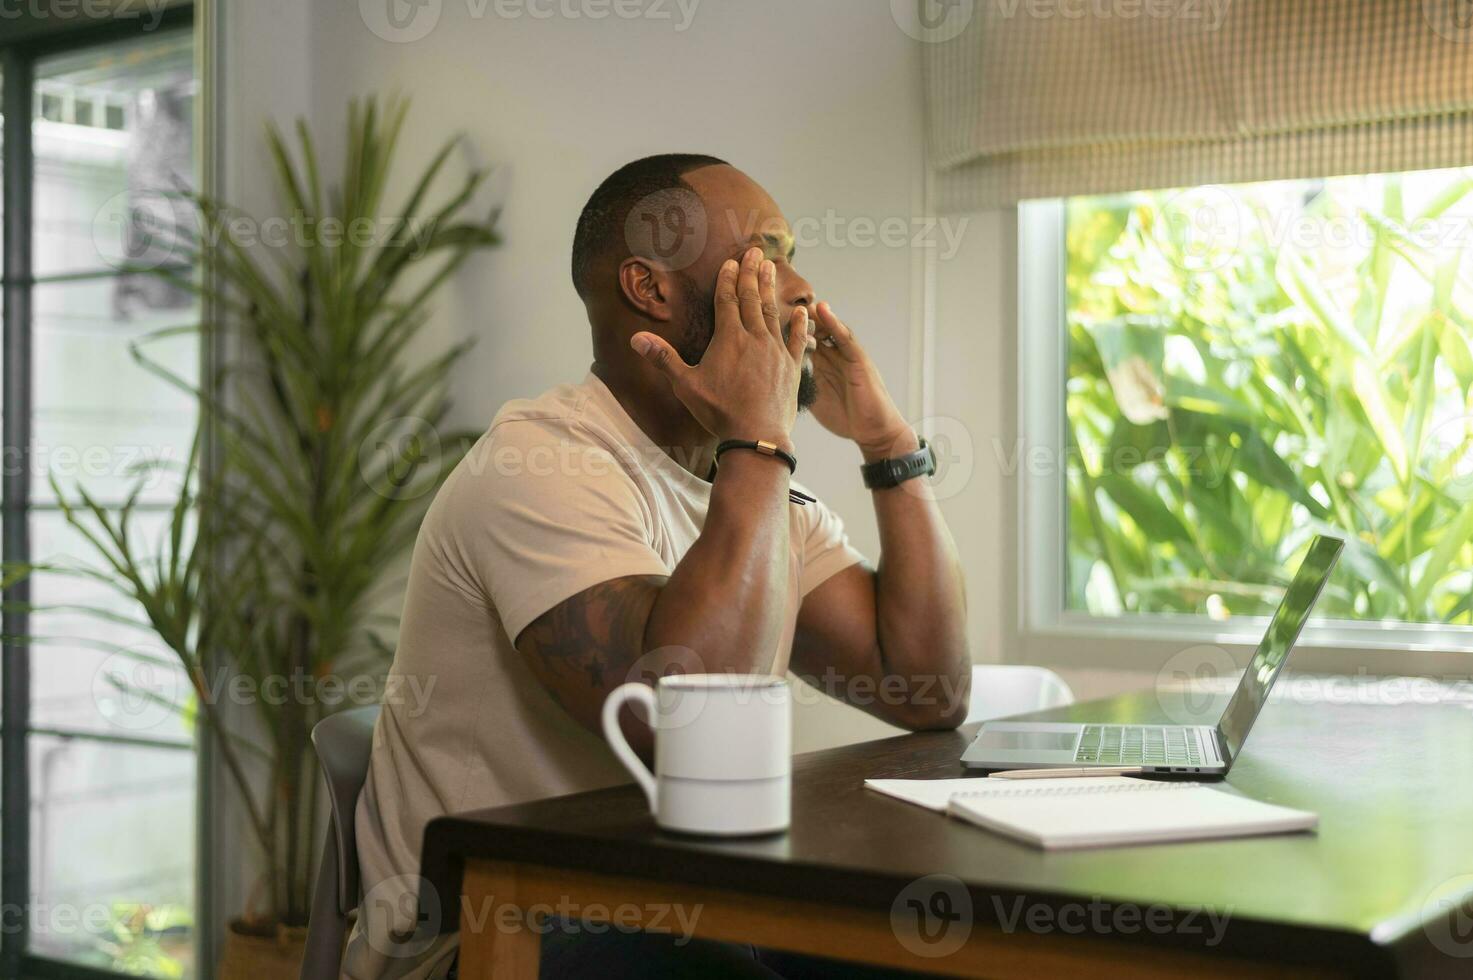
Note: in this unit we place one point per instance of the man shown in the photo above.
(589, 538)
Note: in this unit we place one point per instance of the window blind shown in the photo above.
(1045, 98)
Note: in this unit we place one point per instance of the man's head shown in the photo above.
(650, 242)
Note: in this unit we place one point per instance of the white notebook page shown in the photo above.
(1107, 811)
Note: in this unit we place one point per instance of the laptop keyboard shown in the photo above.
(1133, 745)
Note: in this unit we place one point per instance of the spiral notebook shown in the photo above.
(1102, 811)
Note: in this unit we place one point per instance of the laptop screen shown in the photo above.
(1293, 611)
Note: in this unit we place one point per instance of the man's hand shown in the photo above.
(746, 386)
(852, 401)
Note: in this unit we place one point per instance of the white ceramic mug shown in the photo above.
(723, 751)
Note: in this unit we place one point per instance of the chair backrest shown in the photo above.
(343, 743)
(1003, 690)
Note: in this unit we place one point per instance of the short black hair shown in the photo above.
(601, 226)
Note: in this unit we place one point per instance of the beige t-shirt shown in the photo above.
(564, 492)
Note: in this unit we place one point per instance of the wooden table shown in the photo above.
(1385, 888)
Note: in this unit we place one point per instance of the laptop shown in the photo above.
(1185, 749)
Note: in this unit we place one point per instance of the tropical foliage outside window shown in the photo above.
(1250, 365)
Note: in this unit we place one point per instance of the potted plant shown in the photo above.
(318, 449)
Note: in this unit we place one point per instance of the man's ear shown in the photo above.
(647, 287)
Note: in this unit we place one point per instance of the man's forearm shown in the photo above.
(920, 605)
(725, 601)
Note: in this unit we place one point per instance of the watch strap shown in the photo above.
(887, 473)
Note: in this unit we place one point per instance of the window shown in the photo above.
(105, 831)
(1221, 372)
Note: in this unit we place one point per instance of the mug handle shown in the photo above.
(643, 693)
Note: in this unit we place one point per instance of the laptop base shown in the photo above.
(1175, 750)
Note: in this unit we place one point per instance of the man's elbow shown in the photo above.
(935, 704)
(931, 720)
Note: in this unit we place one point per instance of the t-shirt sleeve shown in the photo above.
(826, 548)
(549, 514)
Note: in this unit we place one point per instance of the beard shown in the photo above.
(700, 327)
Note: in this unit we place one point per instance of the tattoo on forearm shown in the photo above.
(597, 631)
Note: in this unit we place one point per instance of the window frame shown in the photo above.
(18, 57)
(1042, 503)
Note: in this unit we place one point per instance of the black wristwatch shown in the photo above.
(887, 473)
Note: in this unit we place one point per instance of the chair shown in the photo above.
(343, 743)
(1003, 690)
